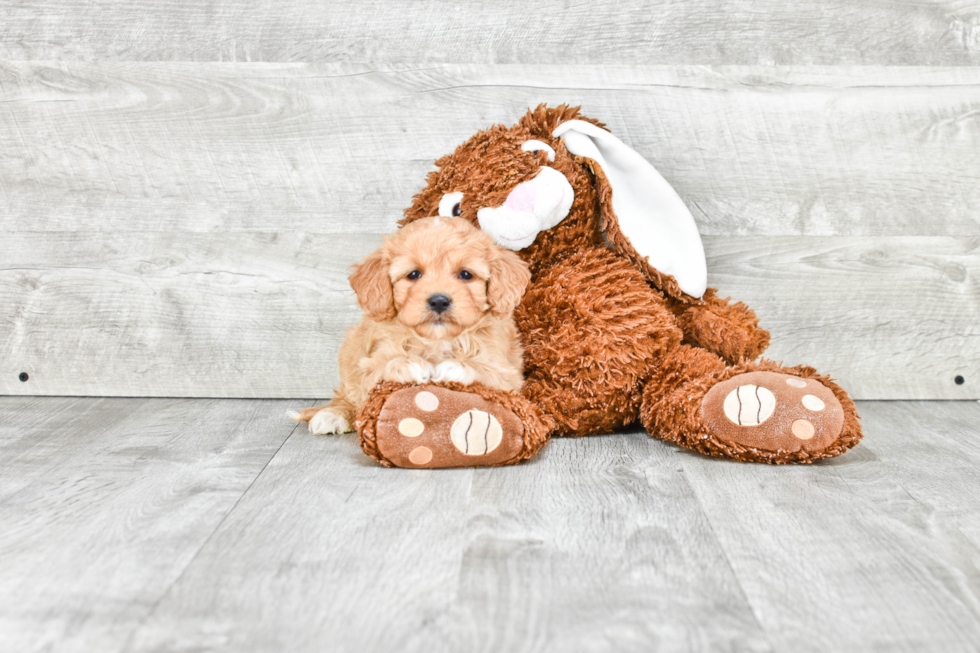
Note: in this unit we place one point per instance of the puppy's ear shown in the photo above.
(509, 276)
(372, 286)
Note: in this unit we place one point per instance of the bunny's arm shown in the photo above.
(730, 330)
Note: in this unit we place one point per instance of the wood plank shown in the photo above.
(940, 466)
(104, 503)
(126, 528)
(175, 314)
(937, 32)
(892, 318)
(342, 148)
(262, 315)
(596, 545)
(841, 555)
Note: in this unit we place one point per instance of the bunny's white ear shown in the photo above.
(650, 213)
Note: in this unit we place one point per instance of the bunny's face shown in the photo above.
(516, 193)
(519, 185)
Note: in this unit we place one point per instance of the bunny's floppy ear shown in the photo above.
(645, 209)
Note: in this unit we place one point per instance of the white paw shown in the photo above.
(419, 373)
(326, 422)
(453, 371)
(401, 370)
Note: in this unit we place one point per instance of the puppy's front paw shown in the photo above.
(420, 372)
(453, 371)
(403, 370)
(327, 422)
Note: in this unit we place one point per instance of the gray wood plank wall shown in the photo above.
(767, 32)
(175, 225)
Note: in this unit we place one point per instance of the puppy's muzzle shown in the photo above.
(439, 304)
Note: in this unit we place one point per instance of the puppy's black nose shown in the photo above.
(439, 303)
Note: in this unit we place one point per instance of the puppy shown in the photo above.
(438, 298)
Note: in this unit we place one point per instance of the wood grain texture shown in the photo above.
(598, 544)
(342, 148)
(184, 229)
(262, 315)
(166, 540)
(890, 317)
(861, 552)
(104, 503)
(936, 32)
(175, 314)
(945, 431)
(190, 525)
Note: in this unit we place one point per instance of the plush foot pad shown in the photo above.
(773, 412)
(430, 427)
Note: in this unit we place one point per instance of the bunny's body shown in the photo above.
(617, 323)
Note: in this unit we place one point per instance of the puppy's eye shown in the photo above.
(451, 205)
(414, 275)
(465, 275)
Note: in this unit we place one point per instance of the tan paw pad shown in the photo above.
(803, 429)
(411, 427)
(749, 405)
(812, 403)
(420, 455)
(476, 433)
(427, 401)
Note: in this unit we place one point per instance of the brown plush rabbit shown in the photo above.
(617, 323)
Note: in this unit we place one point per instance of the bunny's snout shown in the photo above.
(530, 208)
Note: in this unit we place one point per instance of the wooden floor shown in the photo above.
(198, 525)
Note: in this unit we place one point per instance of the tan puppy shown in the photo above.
(438, 298)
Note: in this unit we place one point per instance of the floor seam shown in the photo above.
(156, 604)
(724, 553)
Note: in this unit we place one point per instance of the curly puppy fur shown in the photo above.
(607, 338)
(438, 298)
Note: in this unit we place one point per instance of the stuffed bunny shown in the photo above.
(618, 324)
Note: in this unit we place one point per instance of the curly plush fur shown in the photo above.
(608, 339)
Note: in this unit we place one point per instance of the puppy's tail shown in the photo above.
(304, 415)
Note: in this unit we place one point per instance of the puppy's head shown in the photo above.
(439, 276)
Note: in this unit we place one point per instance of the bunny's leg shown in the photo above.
(759, 412)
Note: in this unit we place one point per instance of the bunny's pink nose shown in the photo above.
(522, 198)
